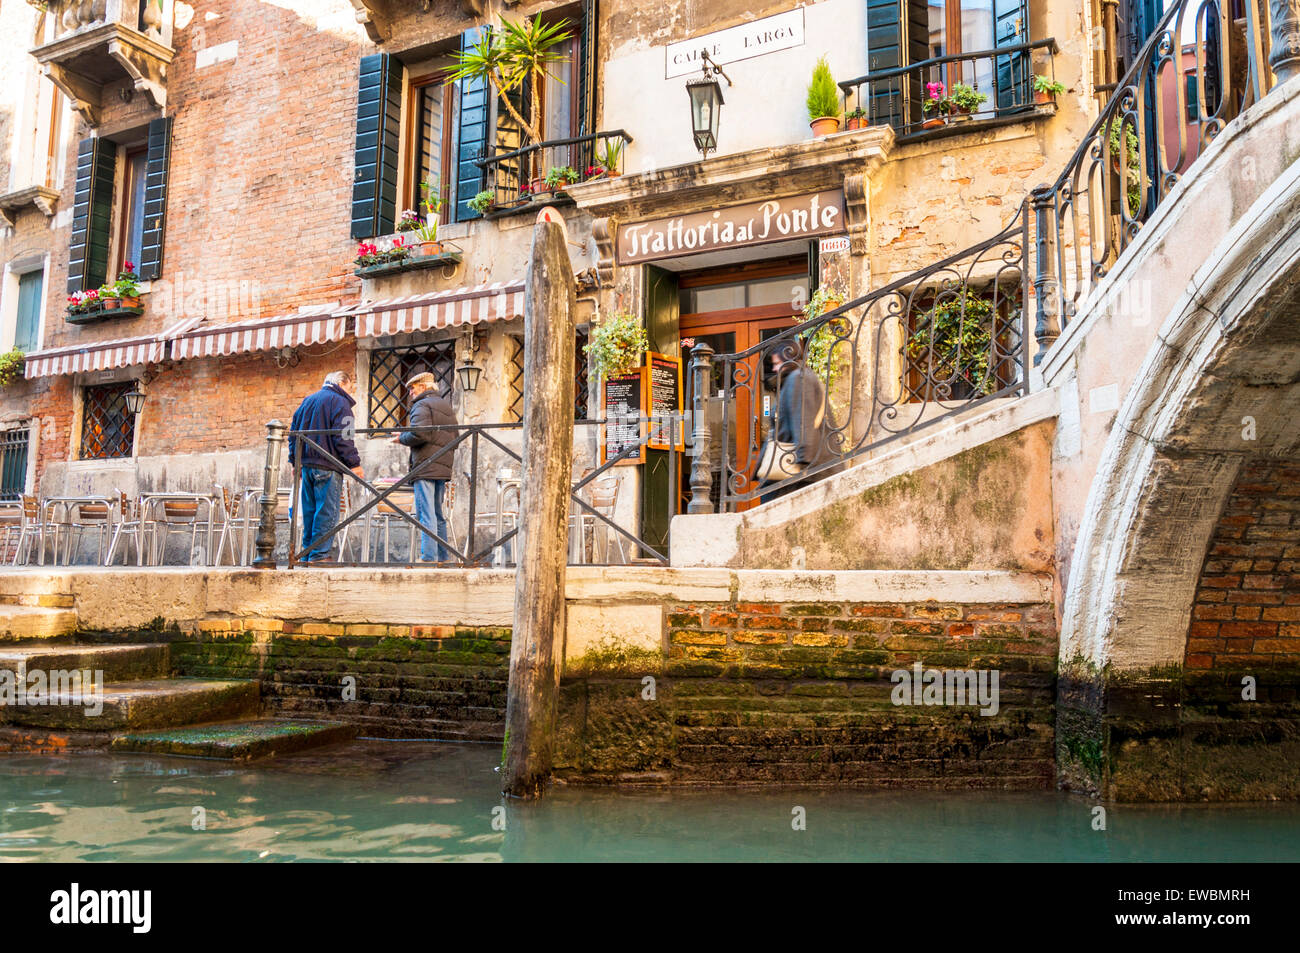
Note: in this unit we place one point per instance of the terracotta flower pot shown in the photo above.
(108, 303)
(430, 248)
(934, 123)
(1042, 99)
(130, 301)
(825, 126)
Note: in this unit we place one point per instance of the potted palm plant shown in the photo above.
(609, 156)
(823, 101)
(515, 56)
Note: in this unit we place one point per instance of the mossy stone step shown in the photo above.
(119, 663)
(36, 622)
(237, 740)
(149, 703)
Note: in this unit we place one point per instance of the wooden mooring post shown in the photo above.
(542, 542)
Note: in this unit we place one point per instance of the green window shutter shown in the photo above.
(473, 121)
(1014, 72)
(30, 286)
(92, 210)
(157, 163)
(897, 35)
(378, 149)
(586, 106)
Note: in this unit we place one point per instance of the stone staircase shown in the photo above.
(124, 697)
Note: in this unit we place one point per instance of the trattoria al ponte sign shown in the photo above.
(773, 220)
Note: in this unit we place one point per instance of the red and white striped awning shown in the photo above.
(104, 355)
(500, 301)
(316, 325)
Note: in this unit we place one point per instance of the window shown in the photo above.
(431, 112)
(27, 328)
(962, 350)
(13, 462)
(130, 222)
(515, 376)
(392, 367)
(107, 427)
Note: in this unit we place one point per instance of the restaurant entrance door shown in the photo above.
(733, 309)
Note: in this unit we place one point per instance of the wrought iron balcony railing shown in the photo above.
(956, 334)
(519, 175)
(902, 97)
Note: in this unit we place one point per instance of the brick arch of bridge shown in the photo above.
(1205, 444)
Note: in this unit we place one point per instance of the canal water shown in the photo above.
(423, 801)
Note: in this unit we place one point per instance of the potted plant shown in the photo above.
(823, 101)
(11, 366)
(483, 201)
(1133, 185)
(515, 56)
(409, 221)
(560, 176)
(77, 303)
(427, 237)
(964, 100)
(609, 156)
(431, 201)
(108, 297)
(820, 343)
(127, 287)
(596, 172)
(857, 119)
(937, 106)
(1046, 90)
(617, 345)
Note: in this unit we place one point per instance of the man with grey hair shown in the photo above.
(432, 423)
(327, 417)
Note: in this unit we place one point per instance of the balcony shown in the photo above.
(1002, 85)
(92, 43)
(522, 178)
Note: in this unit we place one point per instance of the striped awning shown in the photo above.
(104, 355)
(316, 325)
(426, 312)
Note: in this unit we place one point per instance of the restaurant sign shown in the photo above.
(755, 223)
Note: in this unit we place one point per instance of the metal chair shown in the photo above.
(32, 529)
(81, 517)
(161, 516)
(386, 513)
(11, 524)
(602, 495)
(128, 524)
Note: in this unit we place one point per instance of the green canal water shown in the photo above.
(424, 801)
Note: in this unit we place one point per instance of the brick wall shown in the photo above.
(802, 693)
(1247, 608)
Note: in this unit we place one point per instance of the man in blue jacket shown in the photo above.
(329, 409)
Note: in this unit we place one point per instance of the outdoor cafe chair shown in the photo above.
(11, 525)
(33, 529)
(128, 525)
(165, 513)
(80, 517)
(494, 524)
(602, 495)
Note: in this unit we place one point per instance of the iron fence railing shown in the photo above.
(956, 334)
(898, 96)
(518, 176)
(475, 453)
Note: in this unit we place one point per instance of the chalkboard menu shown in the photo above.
(622, 401)
(664, 382)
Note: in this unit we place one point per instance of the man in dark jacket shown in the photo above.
(329, 409)
(429, 409)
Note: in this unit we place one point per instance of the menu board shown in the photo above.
(664, 384)
(622, 401)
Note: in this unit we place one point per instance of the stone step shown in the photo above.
(237, 740)
(150, 703)
(35, 622)
(118, 663)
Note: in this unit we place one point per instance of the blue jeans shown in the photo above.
(428, 503)
(321, 490)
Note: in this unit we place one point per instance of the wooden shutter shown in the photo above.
(473, 125)
(378, 151)
(586, 105)
(30, 286)
(1013, 73)
(157, 163)
(92, 212)
(897, 35)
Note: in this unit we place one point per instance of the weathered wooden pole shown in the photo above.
(542, 542)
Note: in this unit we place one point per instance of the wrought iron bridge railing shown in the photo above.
(1003, 76)
(519, 175)
(966, 330)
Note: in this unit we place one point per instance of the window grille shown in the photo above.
(107, 427)
(13, 462)
(392, 367)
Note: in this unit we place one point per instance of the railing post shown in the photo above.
(701, 477)
(270, 497)
(1047, 325)
(1284, 36)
